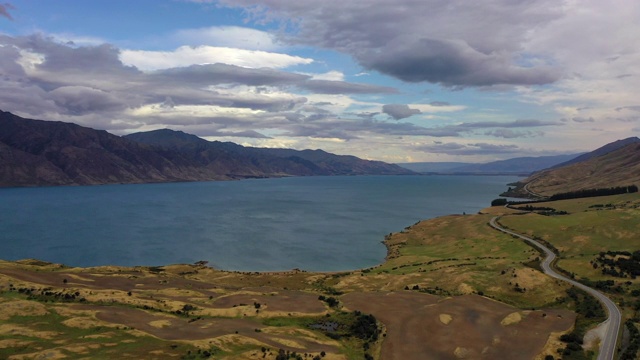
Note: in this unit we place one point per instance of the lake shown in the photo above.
(311, 223)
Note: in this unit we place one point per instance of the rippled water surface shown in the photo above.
(311, 223)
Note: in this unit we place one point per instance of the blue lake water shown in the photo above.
(310, 223)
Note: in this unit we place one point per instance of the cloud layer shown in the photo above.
(399, 81)
(453, 43)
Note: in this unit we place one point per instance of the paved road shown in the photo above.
(608, 343)
(535, 195)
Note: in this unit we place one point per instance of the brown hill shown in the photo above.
(620, 167)
(44, 153)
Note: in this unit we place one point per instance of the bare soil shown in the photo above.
(415, 329)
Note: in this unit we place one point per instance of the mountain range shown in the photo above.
(47, 153)
(515, 166)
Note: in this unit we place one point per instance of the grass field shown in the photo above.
(592, 225)
(456, 255)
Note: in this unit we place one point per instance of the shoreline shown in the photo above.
(152, 300)
(359, 222)
(436, 272)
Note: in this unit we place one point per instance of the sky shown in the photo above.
(397, 81)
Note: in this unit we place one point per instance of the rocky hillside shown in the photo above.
(619, 167)
(45, 153)
(262, 160)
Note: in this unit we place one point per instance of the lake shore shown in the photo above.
(172, 307)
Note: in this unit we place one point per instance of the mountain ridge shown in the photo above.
(602, 168)
(603, 150)
(514, 166)
(48, 153)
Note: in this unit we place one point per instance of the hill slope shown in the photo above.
(521, 165)
(43, 153)
(620, 167)
(600, 151)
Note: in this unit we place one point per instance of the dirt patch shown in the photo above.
(160, 323)
(414, 329)
(281, 301)
(511, 319)
(593, 337)
(445, 318)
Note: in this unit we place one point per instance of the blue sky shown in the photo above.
(401, 81)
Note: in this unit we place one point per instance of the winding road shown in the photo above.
(612, 324)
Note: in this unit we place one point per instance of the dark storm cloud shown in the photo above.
(453, 43)
(439, 103)
(399, 111)
(583, 120)
(453, 64)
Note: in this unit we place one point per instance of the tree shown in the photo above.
(499, 202)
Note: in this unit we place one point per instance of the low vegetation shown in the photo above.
(436, 271)
(597, 244)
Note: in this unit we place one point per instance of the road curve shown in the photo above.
(608, 343)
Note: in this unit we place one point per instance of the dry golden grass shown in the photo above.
(618, 168)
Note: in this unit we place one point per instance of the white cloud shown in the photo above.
(29, 60)
(227, 36)
(333, 75)
(187, 55)
(430, 108)
(78, 40)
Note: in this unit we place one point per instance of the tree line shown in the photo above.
(595, 192)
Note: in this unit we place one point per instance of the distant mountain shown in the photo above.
(279, 162)
(516, 166)
(39, 153)
(600, 151)
(433, 167)
(620, 167)
(520, 165)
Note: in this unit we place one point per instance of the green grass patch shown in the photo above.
(292, 321)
